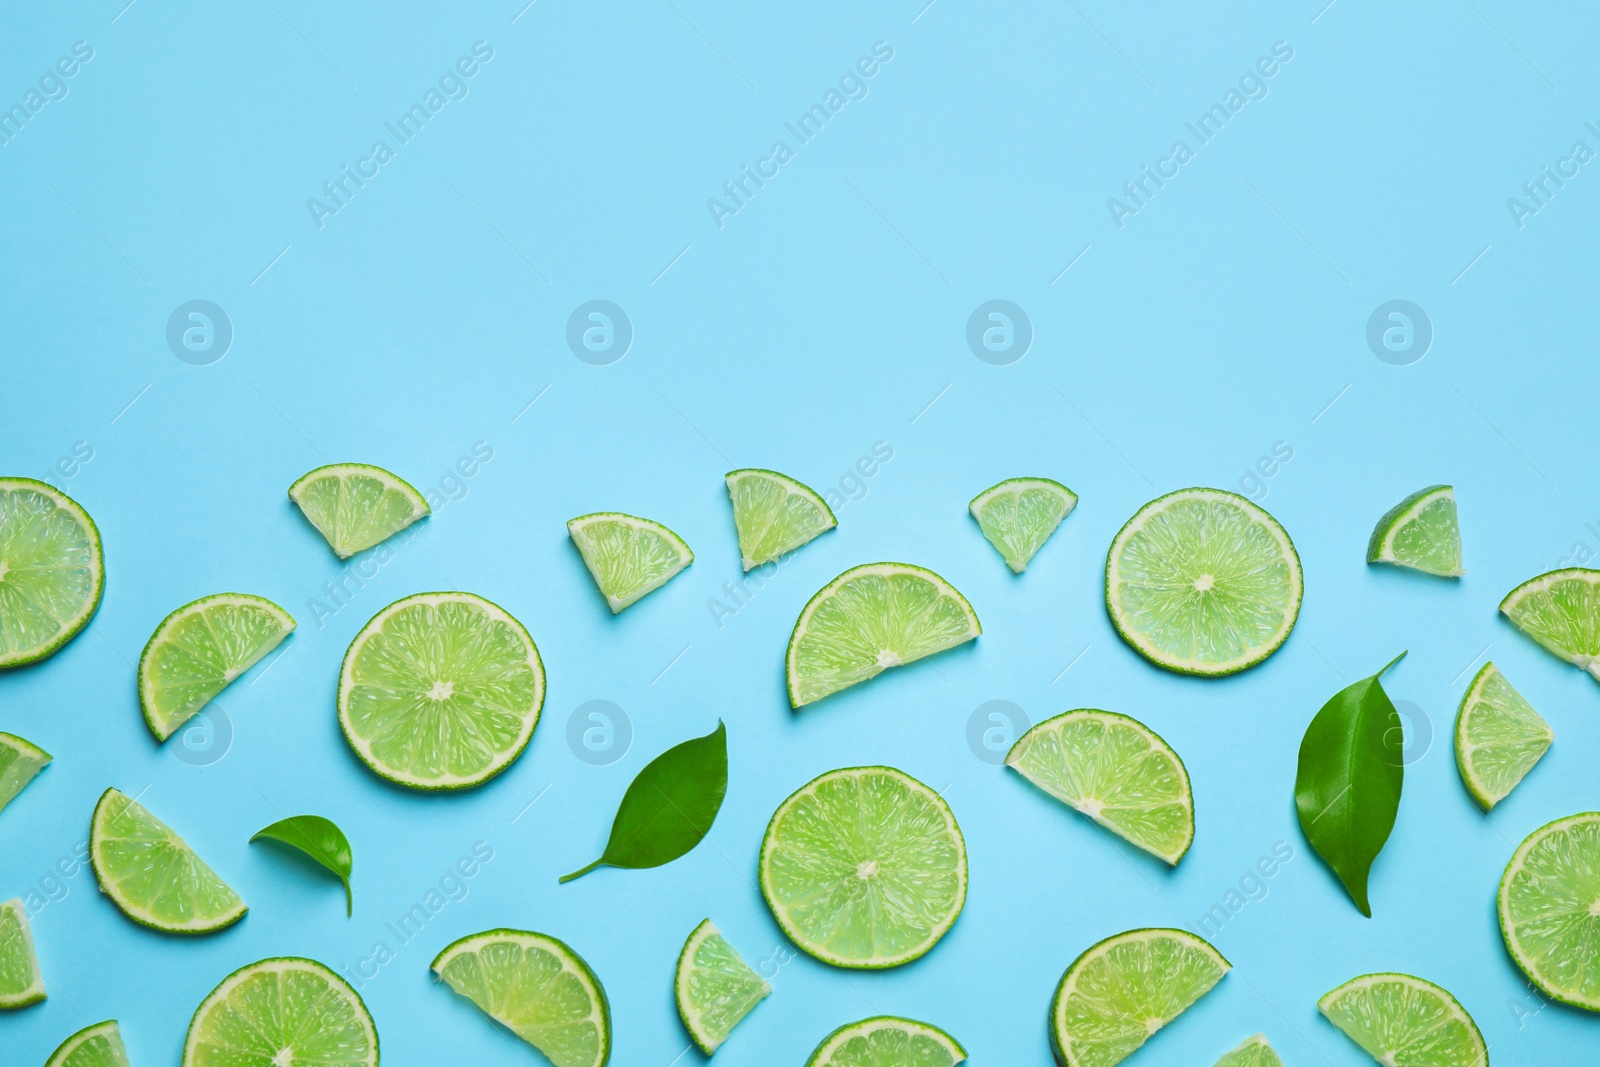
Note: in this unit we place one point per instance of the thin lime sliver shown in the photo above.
(198, 650)
(888, 1041)
(1405, 1021)
(1253, 1052)
(1560, 610)
(21, 981)
(1018, 516)
(282, 1012)
(774, 514)
(1549, 906)
(627, 556)
(20, 762)
(1421, 532)
(714, 987)
(52, 570)
(152, 874)
(1499, 737)
(356, 505)
(99, 1045)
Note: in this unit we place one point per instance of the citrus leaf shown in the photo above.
(319, 839)
(669, 807)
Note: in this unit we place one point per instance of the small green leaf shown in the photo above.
(1348, 786)
(319, 839)
(670, 805)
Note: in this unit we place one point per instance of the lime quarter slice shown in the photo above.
(538, 988)
(1499, 737)
(99, 1045)
(1404, 1021)
(1550, 909)
(888, 1041)
(21, 982)
(355, 506)
(715, 987)
(1420, 532)
(199, 650)
(1019, 515)
(627, 556)
(1561, 611)
(282, 1012)
(1254, 1052)
(774, 514)
(20, 761)
(51, 570)
(153, 875)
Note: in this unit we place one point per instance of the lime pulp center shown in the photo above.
(866, 869)
(441, 690)
(1204, 582)
(888, 658)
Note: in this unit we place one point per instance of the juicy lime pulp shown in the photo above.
(19, 761)
(1202, 581)
(868, 619)
(1117, 771)
(537, 987)
(440, 691)
(1549, 905)
(1561, 611)
(1420, 532)
(1253, 1052)
(1019, 514)
(99, 1045)
(1405, 1021)
(715, 987)
(152, 874)
(1499, 737)
(21, 982)
(199, 650)
(888, 1041)
(864, 867)
(355, 506)
(627, 556)
(774, 514)
(52, 571)
(283, 1012)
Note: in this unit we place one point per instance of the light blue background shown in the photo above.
(1222, 319)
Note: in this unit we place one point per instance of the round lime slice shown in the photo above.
(21, 982)
(1550, 909)
(20, 761)
(99, 1045)
(538, 988)
(1202, 581)
(1117, 771)
(627, 556)
(888, 1041)
(1254, 1052)
(1420, 532)
(153, 875)
(1499, 737)
(864, 867)
(199, 650)
(355, 506)
(1125, 988)
(282, 1012)
(869, 619)
(715, 987)
(51, 570)
(440, 691)
(1019, 514)
(774, 514)
(1403, 1021)
(1561, 611)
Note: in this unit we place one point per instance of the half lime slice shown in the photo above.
(627, 556)
(1420, 532)
(282, 1012)
(355, 506)
(1202, 581)
(538, 988)
(153, 875)
(715, 987)
(774, 514)
(888, 1041)
(51, 570)
(1561, 611)
(1550, 909)
(199, 650)
(1117, 771)
(1404, 1021)
(21, 982)
(1499, 737)
(1254, 1052)
(20, 761)
(1019, 514)
(864, 867)
(440, 691)
(99, 1045)
(869, 619)
(1122, 990)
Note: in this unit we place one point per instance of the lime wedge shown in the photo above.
(1403, 1021)
(864, 867)
(21, 982)
(355, 506)
(715, 987)
(99, 1045)
(282, 1012)
(153, 875)
(1255, 1052)
(19, 761)
(628, 556)
(1420, 532)
(51, 570)
(1499, 737)
(1019, 515)
(868, 619)
(888, 1041)
(1550, 909)
(1117, 771)
(1561, 611)
(1122, 990)
(774, 514)
(1202, 581)
(440, 691)
(198, 650)
(538, 988)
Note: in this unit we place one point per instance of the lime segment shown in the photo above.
(1403, 1021)
(1561, 611)
(21, 982)
(627, 556)
(99, 1045)
(355, 506)
(20, 761)
(283, 1012)
(1550, 909)
(1499, 737)
(888, 1041)
(715, 987)
(1019, 514)
(51, 570)
(1254, 1052)
(1420, 532)
(199, 650)
(774, 514)
(153, 875)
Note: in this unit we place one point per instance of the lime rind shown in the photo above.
(1561, 610)
(20, 762)
(99, 1045)
(1018, 515)
(1549, 908)
(714, 987)
(1254, 1051)
(1117, 771)
(21, 981)
(1499, 737)
(627, 556)
(888, 1039)
(1405, 1021)
(356, 505)
(152, 875)
(37, 620)
(1421, 532)
(774, 514)
(200, 649)
(290, 1010)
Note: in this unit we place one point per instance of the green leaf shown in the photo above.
(1348, 786)
(319, 839)
(670, 805)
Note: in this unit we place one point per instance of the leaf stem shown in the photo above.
(1391, 663)
(565, 878)
(349, 900)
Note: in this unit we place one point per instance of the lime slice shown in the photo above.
(1499, 737)
(715, 987)
(1403, 1021)
(1255, 1052)
(774, 514)
(1550, 909)
(1202, 581)
(1117, 771)
(199, 649)
(1561, 611)
(354, 506)
(1420, 532)
(1122, 990)
(1019, 515)
(19, 761)
(440, 691)
(868, 619)
(51, 570)
(99, 1045)
(628, 556)
(282, 1012)
(152, 874)
(21, 982)
(888, 1041)
(538, 988)
(864, 867)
